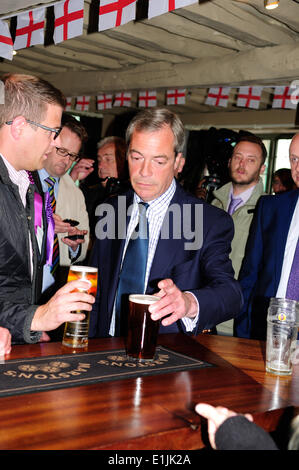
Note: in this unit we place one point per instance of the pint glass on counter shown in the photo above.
(142, 330)
(76, 333)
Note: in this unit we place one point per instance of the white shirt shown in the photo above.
(289, 253)
(155, 214)
(21, 179)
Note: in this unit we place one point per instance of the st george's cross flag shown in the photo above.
(158, 7)
(249, 96)
(147, 99)
(82, 103)
(284, 98)
(122, 99)
(218, 96)
(104, 101)
(30, 28)
(68, 20)
(68, 105)
(176, 96)
(6, 44)
(113, 13)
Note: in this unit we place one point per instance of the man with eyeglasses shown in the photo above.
(30, 119)
(271, 264)
(70, 202)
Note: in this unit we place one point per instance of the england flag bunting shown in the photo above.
(176, 96)
(218, 96)
(30, 29)
(122, 99)
(249, 97)
(158, 7)
(68, 20)
(68, 105)
(6, 44)
(284, 98)
(104, 101)
(147, 99)
(114, 13)
(82, 103)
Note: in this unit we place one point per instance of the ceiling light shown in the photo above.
(271, 4)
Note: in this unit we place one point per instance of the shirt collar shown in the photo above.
(161, 201)
(43, 174)
(17, 177)
(245, 195)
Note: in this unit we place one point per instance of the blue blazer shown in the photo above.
(262, 264)
(206, 272)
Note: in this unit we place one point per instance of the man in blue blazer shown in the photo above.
(188, 263)
(269, 254)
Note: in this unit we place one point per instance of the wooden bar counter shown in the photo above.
(153, 412)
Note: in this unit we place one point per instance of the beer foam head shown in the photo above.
(143, 299)
(83, 269)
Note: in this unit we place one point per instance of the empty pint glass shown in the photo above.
(76, 332)
(142, 330)
(282, 330)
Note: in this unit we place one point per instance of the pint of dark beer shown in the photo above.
(76, 332)
(142, 330)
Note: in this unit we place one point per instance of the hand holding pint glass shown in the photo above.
(142, 330)
(76, 333)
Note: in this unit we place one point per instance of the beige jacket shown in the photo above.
(70, 204)
(242, 218)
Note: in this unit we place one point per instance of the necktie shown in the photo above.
(234, 202)
(55, 256)
(293, 282)
(132, 275)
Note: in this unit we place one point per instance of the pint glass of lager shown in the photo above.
(76, 333)
(142, 330)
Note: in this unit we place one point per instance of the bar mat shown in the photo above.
(20, 376)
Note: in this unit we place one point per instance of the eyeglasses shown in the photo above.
(46, 128)
(64, 153)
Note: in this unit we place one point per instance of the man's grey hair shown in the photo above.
(151, 120)
(112, 139)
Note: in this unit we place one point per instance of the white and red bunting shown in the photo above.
(218, 96)
(68, 20)
(147, 99)
(30, 28)
(122, 99)
(114, 13)
(176, 96)
(158, 7)
(284, 98)
(82, 103)
(6, 44)
(104, 101)
(68, 105)
(249, 97)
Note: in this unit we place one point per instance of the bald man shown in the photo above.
(270, 255)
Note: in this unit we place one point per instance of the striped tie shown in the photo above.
(55, 257)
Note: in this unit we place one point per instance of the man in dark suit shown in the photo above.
(187, 262)
(269, 255)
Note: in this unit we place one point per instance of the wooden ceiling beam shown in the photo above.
(260, 66)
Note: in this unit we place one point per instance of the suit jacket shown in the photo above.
(261, 269)
(206, 272)
(20, 289)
